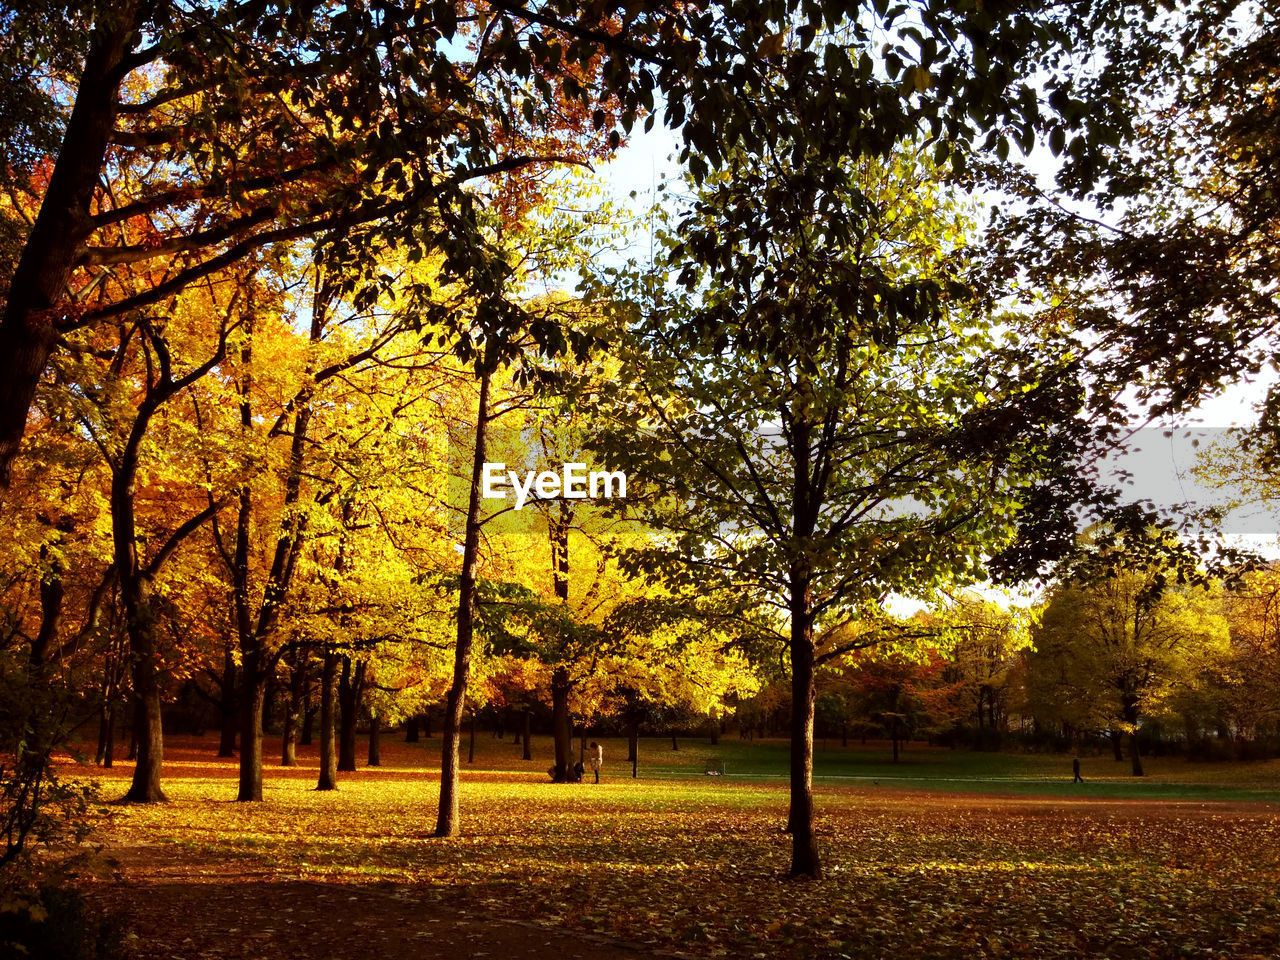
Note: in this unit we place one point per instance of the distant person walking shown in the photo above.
(597, 758)
(1075, 770)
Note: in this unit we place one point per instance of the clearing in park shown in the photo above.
(947, 854)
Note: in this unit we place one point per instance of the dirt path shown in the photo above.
(177, 907)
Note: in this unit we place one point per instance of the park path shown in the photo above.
(176, 905)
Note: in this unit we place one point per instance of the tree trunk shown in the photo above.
(375, 742)
(447, 818)
(29, 328)
(350, 687)
(131, 718)
(526, 735)
(252, 696)
(298, 682)
(804, 848)
(105, 722)
(308, 724)
(1131, 714)
(136, 589)
(562, 770)
(328, 693)
(633, 747)
(227, 712)
(411, 730)
(1115, 746)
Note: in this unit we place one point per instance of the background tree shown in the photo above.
(1120, 646)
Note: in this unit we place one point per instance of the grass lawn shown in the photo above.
(1181, 864)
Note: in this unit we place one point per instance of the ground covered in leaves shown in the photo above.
(696, 866)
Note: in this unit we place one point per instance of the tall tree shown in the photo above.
(800, 410)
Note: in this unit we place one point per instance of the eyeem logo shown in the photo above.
(572, 483)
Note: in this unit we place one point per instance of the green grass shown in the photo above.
(970, 771)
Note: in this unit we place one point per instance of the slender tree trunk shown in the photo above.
(131, 718)
(104, 728)
(227, 713)
(297, 705)
(674, 744)
(252, 696)
(633, 740)
(411, 730)
(1115, 746)
(804, 848)
(375, 743)
(350, 687)
(447, 818)
(526, 735)
(562, 771)
(328, 693)
(308, 725)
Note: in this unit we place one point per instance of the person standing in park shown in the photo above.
(597, 758)
(1075, 770)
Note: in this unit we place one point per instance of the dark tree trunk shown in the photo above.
(350, 688)
(308, 725)
(375, 742)
(328, 694)
(1135, 756)
(674, 744)
(411, 730)
(447, 817)
(269, 701)
(562, 770)
(426, 724)
(1131, 714)
(804, 847)
(227, 712)
(715, 734)
(526, 735)
(136, 589)
(633, 748)
(29, 330)
(131, 718)
(1116, 752)
(105, 723)
(252, 696)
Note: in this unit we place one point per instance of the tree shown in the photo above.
(802, 410)
(1120, 646)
